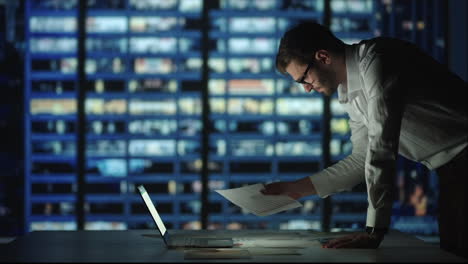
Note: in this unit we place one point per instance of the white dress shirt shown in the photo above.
(399, 100)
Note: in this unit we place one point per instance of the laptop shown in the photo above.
(181, 241)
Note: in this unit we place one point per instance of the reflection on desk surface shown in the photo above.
(143, 246)
(6, 240)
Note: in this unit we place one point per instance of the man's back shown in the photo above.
(435, 116)
(420, 75)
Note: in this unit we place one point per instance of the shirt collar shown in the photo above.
(347, 91)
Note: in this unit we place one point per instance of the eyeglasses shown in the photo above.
(301, 80)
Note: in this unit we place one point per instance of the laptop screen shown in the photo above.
(152, 209)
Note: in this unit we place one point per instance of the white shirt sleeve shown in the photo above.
(384, 112)
(348, 172)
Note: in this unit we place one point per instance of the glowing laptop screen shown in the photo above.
(152, 210)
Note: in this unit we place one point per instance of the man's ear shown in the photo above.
(323, 56)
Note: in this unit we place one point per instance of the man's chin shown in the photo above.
(327, 92)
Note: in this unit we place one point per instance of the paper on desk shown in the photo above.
(251, 199)
(276, 243)
(264, 251)
(217, 253)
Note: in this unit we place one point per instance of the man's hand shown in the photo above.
(356, 240)
(294, 189)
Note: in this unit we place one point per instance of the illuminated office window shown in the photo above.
(248, 109)
(144, 110)
(132, 107)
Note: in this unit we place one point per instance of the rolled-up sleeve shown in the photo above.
(348, 172)
(384, 109)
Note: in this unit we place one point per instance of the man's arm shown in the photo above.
(348, 172)
(339, 177)
(385, 111)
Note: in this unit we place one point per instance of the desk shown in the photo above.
(146, 246)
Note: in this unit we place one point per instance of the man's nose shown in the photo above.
(307, 87)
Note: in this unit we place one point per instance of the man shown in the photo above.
(399, 101)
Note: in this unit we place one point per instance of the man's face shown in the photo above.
(320, 77)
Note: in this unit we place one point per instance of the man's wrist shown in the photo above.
(302, 187)
(377, 232)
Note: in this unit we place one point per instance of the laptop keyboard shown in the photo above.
(189, 241)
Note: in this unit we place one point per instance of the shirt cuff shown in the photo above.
(322, 184)
(378, 218)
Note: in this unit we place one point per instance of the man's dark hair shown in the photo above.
(302, 41)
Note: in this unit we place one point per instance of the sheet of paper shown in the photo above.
(217, 253)
(276, 243)
(273, 251)
(251, 199)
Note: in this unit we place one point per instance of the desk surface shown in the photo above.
(147, 246)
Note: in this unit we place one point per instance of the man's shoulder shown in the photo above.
(390, 50)
(384, 41)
